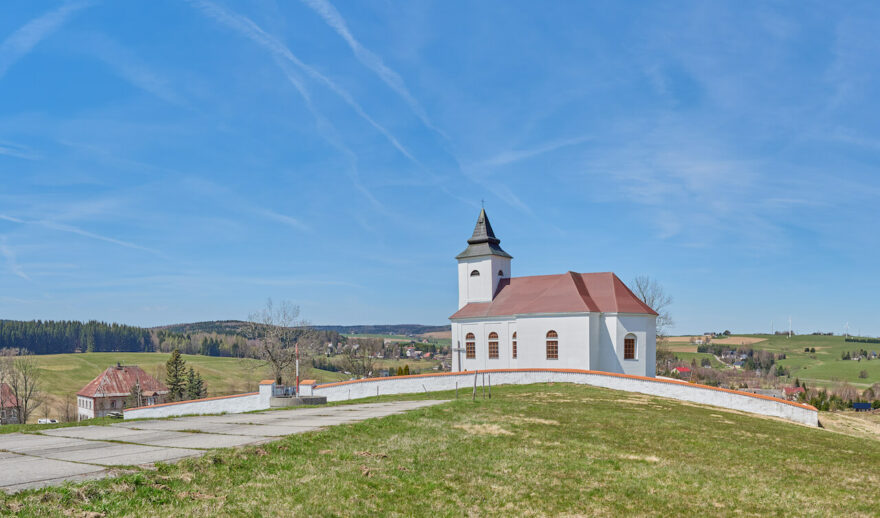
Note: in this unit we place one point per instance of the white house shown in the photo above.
(110, 391)
(568, 321)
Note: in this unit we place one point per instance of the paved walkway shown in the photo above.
(51, 457)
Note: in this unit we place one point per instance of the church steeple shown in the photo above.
(483, 242)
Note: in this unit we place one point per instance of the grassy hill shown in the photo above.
(824, 367)
(65, 374)
(552, 449)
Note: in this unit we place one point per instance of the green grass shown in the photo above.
(65, 374)
(687, 357)
(535, 450)
(824, 367)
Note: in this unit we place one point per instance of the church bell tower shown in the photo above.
(482, 265)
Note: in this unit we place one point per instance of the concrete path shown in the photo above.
(51, 457)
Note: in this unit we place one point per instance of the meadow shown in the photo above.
(548, 449)
(822, 368)
(63, 375)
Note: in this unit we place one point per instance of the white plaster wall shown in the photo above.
(613, 330)
(574, 341)
(482, 288)
(229, 405)
(663, 388)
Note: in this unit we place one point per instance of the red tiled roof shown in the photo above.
(118, 381)
(682, 369)
(7, 398)
(792, 390)
(564, 293)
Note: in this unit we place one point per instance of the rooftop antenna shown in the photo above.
(482, 203)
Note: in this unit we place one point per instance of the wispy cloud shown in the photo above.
(512, 156)
(63, 227)
(14, 150)
(130, 68)
(247, 27)
(20, 42)
(233, 200)
(11, 261)
(370, 59)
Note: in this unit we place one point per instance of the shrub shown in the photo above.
(863, 374)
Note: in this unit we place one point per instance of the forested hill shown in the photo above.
(393, 329)
(56, 337)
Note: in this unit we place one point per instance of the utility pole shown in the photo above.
(789, 326)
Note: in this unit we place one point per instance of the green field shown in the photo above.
(824, 367)
(65, 374)
(687, 357)
(538, 450)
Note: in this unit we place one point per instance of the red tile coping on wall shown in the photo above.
(267, 382)
(579, 371)
(193, 401)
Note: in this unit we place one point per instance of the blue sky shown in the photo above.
(176, 161)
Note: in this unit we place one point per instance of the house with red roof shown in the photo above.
(109, 392)
(684, 372)
(571, 320)
(8, 405)
(791, 393)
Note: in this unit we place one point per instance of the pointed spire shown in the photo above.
(483, 240)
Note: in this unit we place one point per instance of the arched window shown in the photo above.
(552, 345)
(475, 273)
(470, 346)
(501, 273)
(629, 347)
(513, 344)
(493, 345)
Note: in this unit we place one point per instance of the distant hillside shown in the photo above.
(238, 327)
(385, 329)
(221, 327)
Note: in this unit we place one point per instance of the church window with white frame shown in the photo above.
(493, 345)
(470, 346)
(552, 345)
(629, 347)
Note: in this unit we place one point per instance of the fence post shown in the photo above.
(484, 385)
(490, 386)
(475, 385)
(456, 390)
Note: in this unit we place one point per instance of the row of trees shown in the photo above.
(58, 337)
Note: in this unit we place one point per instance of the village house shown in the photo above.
(8, 405)
(684, 372)
(792, 393)
(109, 392)
(588, 321)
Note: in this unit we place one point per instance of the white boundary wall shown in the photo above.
(680, 390)
(218, 405)
(359, 389)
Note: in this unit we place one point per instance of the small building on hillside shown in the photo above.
(109, 392)
(684, 372)
(8, 405)
(791, 393)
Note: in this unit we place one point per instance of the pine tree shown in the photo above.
(201, 385)
(192, 389)
(175, 372)
(406, 370)
(400, 371)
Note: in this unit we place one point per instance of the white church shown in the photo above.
(572, 320)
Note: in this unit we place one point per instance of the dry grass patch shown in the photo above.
(483, 429)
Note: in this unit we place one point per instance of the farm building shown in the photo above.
(109, 392)
(571, 321)
(8, 405)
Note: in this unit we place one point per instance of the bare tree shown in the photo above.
(24, 381)
(358, 356)
(652, 293)
(279, 330)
